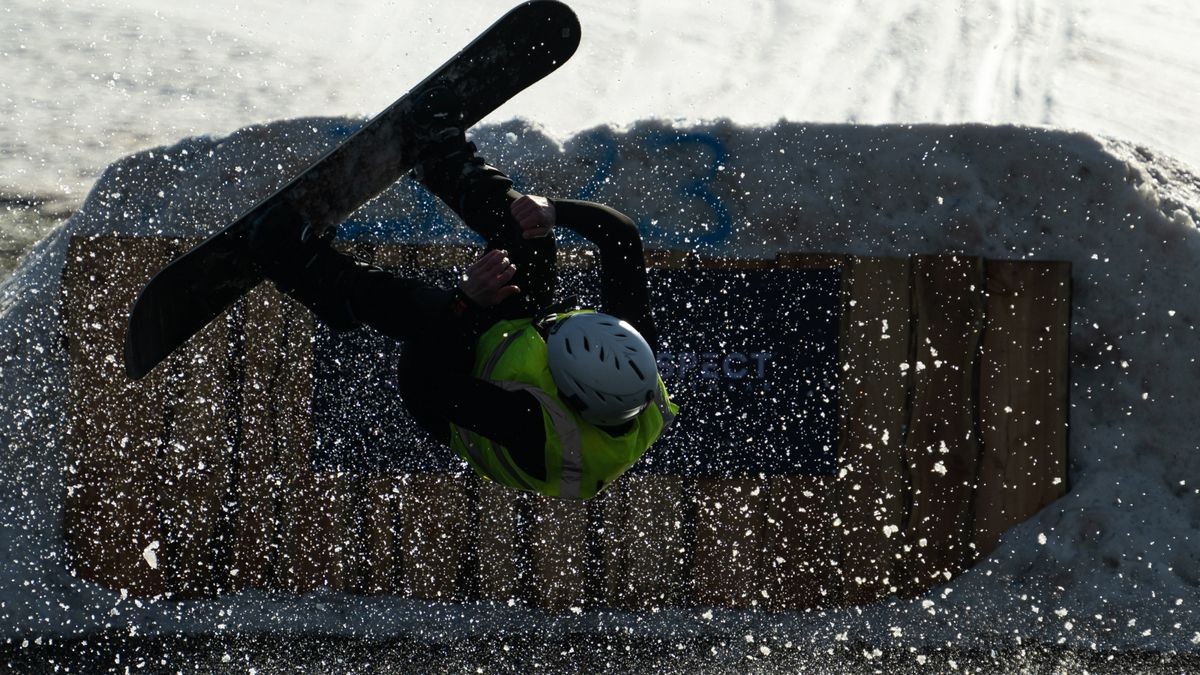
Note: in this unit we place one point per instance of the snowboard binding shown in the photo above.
(448, 165)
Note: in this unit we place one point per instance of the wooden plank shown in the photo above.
(111, 517)
(558, 553)
(443, 257)
(497, 544)
(672, 259)
(293, 438)
(1024, 390)
(436, 515)
(314, 531)
(643, 544)
(257, 461)
(874, 383)
(381, 567)
(330, 542)
(797, 260)
(942, 448)
(194, 461)
(801, 562)
(730, 537)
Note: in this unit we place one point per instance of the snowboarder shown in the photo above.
(551, 401)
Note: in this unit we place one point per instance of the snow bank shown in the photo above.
(1116, 563)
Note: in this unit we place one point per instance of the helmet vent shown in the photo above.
(603, 368)
(637, 370)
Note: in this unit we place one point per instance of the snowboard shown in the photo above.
(522, 47)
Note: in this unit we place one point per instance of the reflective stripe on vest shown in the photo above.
(571, 477)
(567, 435)
(468, 439)
(660, 400)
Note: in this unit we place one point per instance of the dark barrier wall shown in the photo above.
(750, 355)
(948, 426)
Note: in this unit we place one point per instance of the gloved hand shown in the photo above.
(535, 215)
(485, 282)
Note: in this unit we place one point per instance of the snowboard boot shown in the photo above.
(305, 268)
(448, 165)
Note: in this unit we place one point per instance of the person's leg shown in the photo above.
(485, 209)
(481, 195)
(438, 390)
(345, 292)
(309, 271)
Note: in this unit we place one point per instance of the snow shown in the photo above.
(142, 73)
(1112, 565)
(820, 155)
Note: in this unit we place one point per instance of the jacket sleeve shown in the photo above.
(624, 291)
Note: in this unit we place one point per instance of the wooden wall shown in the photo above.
(199, 481)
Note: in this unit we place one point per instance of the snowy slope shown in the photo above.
(1113, 564)
(85, 83)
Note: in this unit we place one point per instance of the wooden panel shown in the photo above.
(329, 544)
(497, 545)
(380, 572)
(292, 438)
(259, 458)
(875, 355)
(643, 542)
(813, 260)
(436, 516)
(671, 259)
(942, 449)
(558, 553)
(800, 563)
(193, 463)
(111, 516)
(443, 257)
(393, 256)
(151, 470)
(1023, 395)
(730, 538)
(314, 530)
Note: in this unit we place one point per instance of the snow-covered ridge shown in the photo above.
(1116, 561)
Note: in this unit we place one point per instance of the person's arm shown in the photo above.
(624, 291)
(513, 419)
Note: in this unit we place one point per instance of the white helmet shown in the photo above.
(602, 366)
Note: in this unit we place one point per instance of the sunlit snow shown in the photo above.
(797, 94)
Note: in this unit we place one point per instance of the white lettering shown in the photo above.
(735, 359)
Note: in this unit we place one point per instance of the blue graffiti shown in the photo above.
(426, 220)
(722, 226)
(605, 155)
(606, 147)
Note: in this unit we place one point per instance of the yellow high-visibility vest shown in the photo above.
(581, 459)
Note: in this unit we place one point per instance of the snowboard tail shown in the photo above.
(526, 44)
